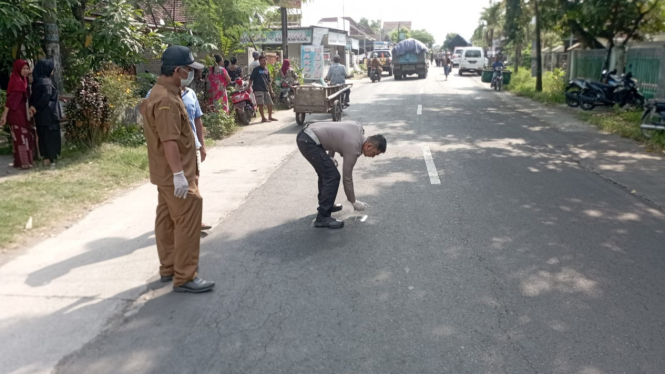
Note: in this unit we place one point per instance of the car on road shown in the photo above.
(472, 60)
(456, 56)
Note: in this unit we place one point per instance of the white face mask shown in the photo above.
(188, 81)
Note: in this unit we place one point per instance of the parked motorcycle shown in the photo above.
(287, 95)
(497, 80)
(653, 118)
(573, 90)
(374, 75)
(576, 86)
(622, 93)
(242, 102)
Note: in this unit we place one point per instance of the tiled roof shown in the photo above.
(390, 26)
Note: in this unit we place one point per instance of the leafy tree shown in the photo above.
(423, 36)
(613, 19)
(516, 27)
(394, 36)
(21, 37)
(222, 22)
(492, 17)
(374, 25)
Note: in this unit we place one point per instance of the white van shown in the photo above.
(456, 56)
(472, 59)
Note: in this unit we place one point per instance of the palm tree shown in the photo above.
(492, 17)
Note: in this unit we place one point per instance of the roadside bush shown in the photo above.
(523, 84)
(121, 91)
(145, 83)
(218, 124)
(129, 136)
(363, 67)
(89, 114)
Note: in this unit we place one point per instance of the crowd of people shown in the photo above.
(32, 112)
(174, 142)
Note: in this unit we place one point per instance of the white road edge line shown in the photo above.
(431, 169)
(420, 110)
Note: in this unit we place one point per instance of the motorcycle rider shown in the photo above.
(337, 75)
(376, 63)
(497, 64)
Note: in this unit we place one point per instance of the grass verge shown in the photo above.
(623, 123)
(52, 197)
(523, 84)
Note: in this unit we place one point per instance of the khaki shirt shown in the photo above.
(165, 118)
(347, 139)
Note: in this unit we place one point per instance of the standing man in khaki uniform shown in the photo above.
(172, 158)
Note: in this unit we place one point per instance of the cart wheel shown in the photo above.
(337, 111)
(300, 118)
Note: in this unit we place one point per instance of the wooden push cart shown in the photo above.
(319, 99)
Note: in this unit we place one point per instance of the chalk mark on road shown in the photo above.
(431, 169)
(420, 110)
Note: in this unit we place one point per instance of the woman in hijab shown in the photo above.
(18, 116)
(46, 109)
(219, 79)
(288, 74)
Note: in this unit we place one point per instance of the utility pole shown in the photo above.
(52, 40)
(285, 34)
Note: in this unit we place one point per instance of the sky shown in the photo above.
(439, 17)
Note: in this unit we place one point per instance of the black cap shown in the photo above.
(177, 55)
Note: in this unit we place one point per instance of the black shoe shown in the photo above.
(336, 208)
(329, 222)
(198, 285)
(166, 278)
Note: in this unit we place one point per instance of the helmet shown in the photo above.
(239, 81)
(375, 54)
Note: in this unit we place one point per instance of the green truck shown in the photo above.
(409, 58)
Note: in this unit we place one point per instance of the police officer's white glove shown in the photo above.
(360, 206)
(180, 184)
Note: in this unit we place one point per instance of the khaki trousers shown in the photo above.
(178, 233)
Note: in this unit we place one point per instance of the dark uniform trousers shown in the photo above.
(329, 177)
(178, 233)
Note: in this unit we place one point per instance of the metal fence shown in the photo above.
(555, 60)
(646, 66)
(644, 63)
(588, 64)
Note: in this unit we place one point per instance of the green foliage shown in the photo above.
(21, 36)
(423, 36)
(89, 114)
(222, 22)
(128, 136)
(374, 25)
(120, 89)
(145, 82)
(118, 38)
(523, 84)
(218, 124)
(394, 36)
(626, 124)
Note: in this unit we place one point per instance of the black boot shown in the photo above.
(328, 222)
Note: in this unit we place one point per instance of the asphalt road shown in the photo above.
(520, 261)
